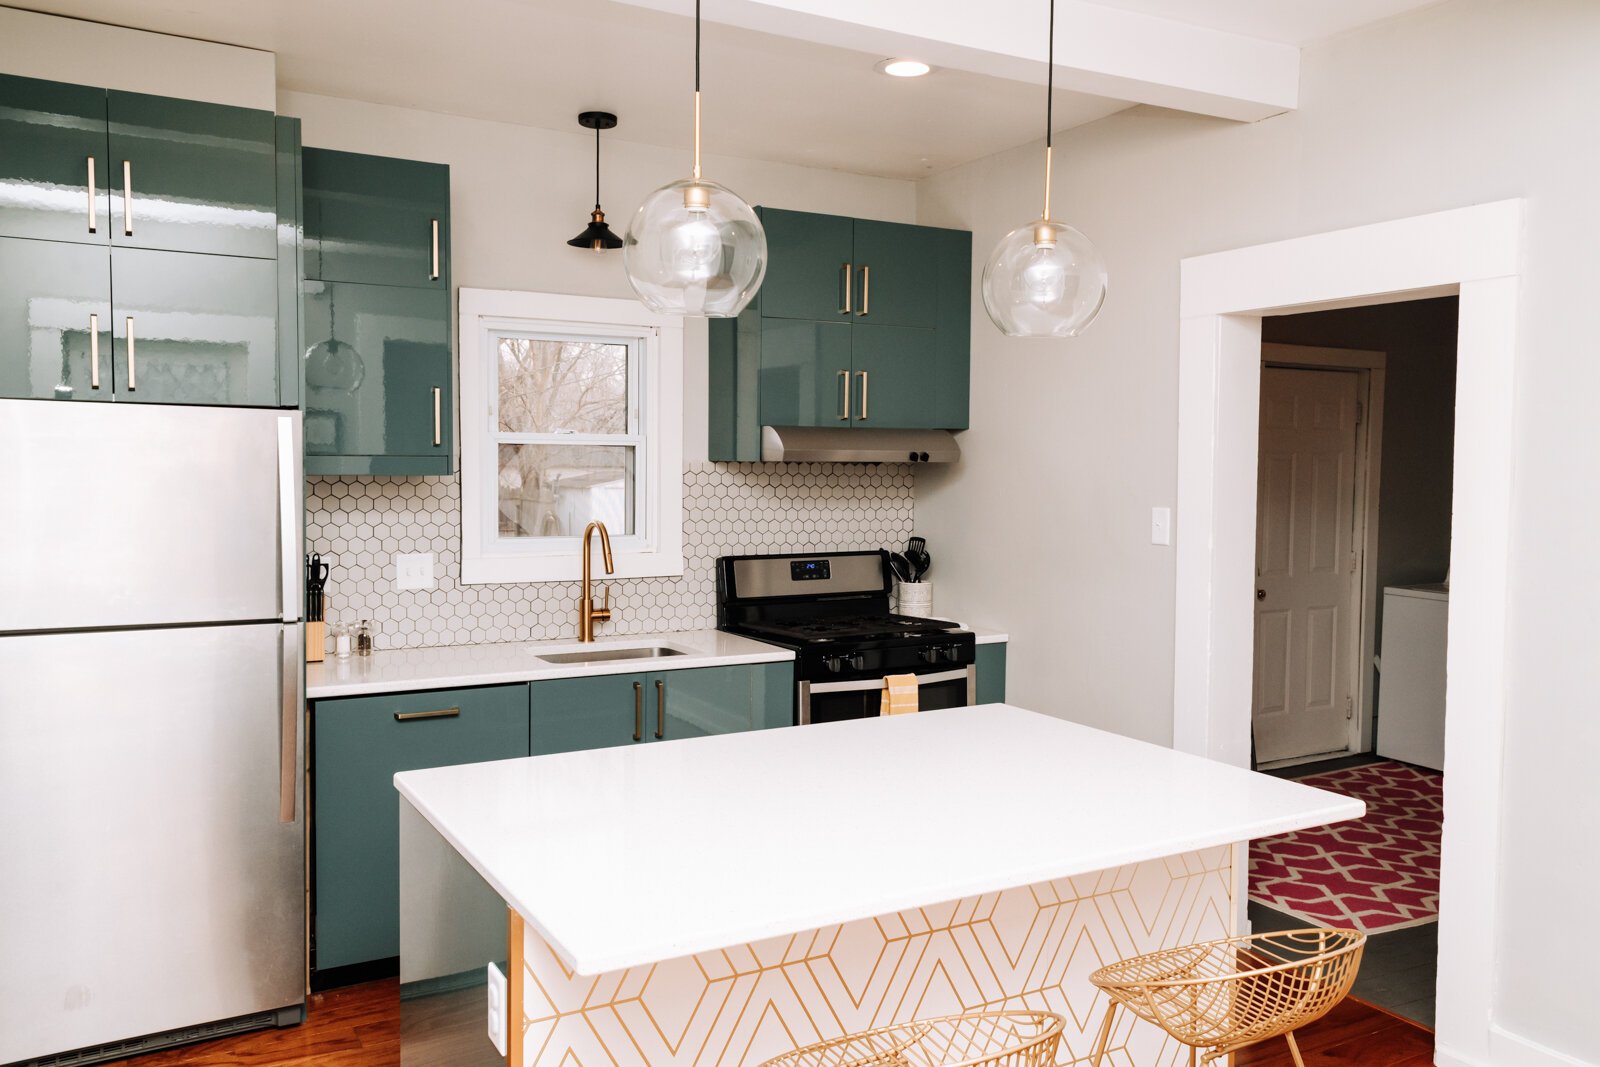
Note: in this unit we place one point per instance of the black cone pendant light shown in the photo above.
(597, 235)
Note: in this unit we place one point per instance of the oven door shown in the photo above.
(837, 701)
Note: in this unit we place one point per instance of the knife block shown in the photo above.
(316, 641)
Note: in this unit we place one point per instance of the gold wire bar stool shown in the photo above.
(977, 1039)
(1224, 995)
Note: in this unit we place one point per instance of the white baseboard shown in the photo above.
(1444, 1057)
(1507, 1049)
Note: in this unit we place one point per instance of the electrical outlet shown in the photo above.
(497, 1008)
(1161, 526)
(413, 570)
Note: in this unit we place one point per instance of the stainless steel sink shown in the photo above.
(603, 654)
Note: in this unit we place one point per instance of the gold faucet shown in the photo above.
(588, 614)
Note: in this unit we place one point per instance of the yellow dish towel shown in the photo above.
(899, 695)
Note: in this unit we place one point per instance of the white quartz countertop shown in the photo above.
(625, 856)
(456, 666)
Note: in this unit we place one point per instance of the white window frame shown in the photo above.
(655, 549)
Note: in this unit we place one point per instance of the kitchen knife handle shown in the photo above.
(638, 711)
(94, 351)
(844, 407)
(661, 709)
(93, 220)
(848, 271)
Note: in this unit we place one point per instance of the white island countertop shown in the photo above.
(456, 666)
(625, 856)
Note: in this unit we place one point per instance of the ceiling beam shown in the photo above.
(1102, 51)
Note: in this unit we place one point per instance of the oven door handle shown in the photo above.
(878, 683)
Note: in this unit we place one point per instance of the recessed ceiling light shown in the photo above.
(903, 68)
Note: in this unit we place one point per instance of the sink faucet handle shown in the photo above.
(606, 591)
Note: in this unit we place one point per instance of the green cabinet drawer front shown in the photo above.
(202, 176)
(720, 700)
(904, 266)
(806, 265)
(204, 328)
(805, 368)
(377, 357)
(992, 673)
(904, 385)
(577, 714)
(376, 220)
(52, 295)
(358, 747)
(52, 136)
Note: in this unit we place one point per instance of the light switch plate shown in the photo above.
(413, 570)
(497, 1009)
(1161, 526)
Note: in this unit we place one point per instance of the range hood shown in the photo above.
(841, 444)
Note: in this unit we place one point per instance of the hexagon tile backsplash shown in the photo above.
(358, 524)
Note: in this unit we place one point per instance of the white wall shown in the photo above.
(91, 53)
(1045, 521)
(518, 193)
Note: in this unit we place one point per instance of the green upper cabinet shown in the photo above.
(858, 324)
(53, 173)
(55, 320)
(291, 265)
(194, 329)
(189, 176)
(376, 220)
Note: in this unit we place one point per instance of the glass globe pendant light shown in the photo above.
(694, 247)
(1044, 279)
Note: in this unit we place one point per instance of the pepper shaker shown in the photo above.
(364, 638)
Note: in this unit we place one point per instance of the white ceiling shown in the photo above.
(540, 62)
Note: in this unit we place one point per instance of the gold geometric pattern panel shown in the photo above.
(1032, 947)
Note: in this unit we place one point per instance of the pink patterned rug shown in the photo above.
(1376, 873)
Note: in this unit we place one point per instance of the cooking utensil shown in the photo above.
(917, 554)
(901, 566)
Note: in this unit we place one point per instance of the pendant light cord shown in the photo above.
(697, 90)
(1049, 105)
(597, 168)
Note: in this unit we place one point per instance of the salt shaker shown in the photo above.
(364, 638)
(341, 639)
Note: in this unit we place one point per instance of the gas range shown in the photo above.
(832, 609)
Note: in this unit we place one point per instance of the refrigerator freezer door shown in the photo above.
(129, 515)
(146, 880)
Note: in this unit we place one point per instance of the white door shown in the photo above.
(1306, 564)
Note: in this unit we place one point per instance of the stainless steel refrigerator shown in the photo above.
(152, 855)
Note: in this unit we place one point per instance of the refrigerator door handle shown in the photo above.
(288, 520)
(291, 659)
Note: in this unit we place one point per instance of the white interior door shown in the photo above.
(1306, 563)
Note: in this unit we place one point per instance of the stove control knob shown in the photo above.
(833, 664)
(930, 654)
(857, 661)
(951, 653)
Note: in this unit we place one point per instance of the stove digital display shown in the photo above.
(808, 570)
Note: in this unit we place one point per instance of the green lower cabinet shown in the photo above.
(358, 745)
(992, 673)
(378, 393)
(55, 318)
(576, 714)
(194, 329)
(52, 146)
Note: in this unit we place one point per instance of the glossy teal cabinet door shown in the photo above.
(192, 177)
(992, 673)
(897, 274)
(805, 373)
(599, 711)
(358, 745)
(194, 329)
(899, 382)
(376, 220)
(55, 320)
(720, 700)
(377, 379)
(53, 161)
(291, 261)
(809, 272)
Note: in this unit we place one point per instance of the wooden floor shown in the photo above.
(359, 1026)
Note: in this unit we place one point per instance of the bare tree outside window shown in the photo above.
(567, 445)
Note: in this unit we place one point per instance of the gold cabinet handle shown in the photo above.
(844, 408)
(863, 375)
(661, 709)
(866, 291)
(414, 716)
(847, 272)
(94, 351)
(438, 431)
(433, 269)
(638, 711)
(133, 369)
(93, 221)
(127, 198)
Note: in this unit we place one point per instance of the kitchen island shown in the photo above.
(720, 900)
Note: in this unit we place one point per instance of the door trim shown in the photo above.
(1475, 252)
(1372, 368)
